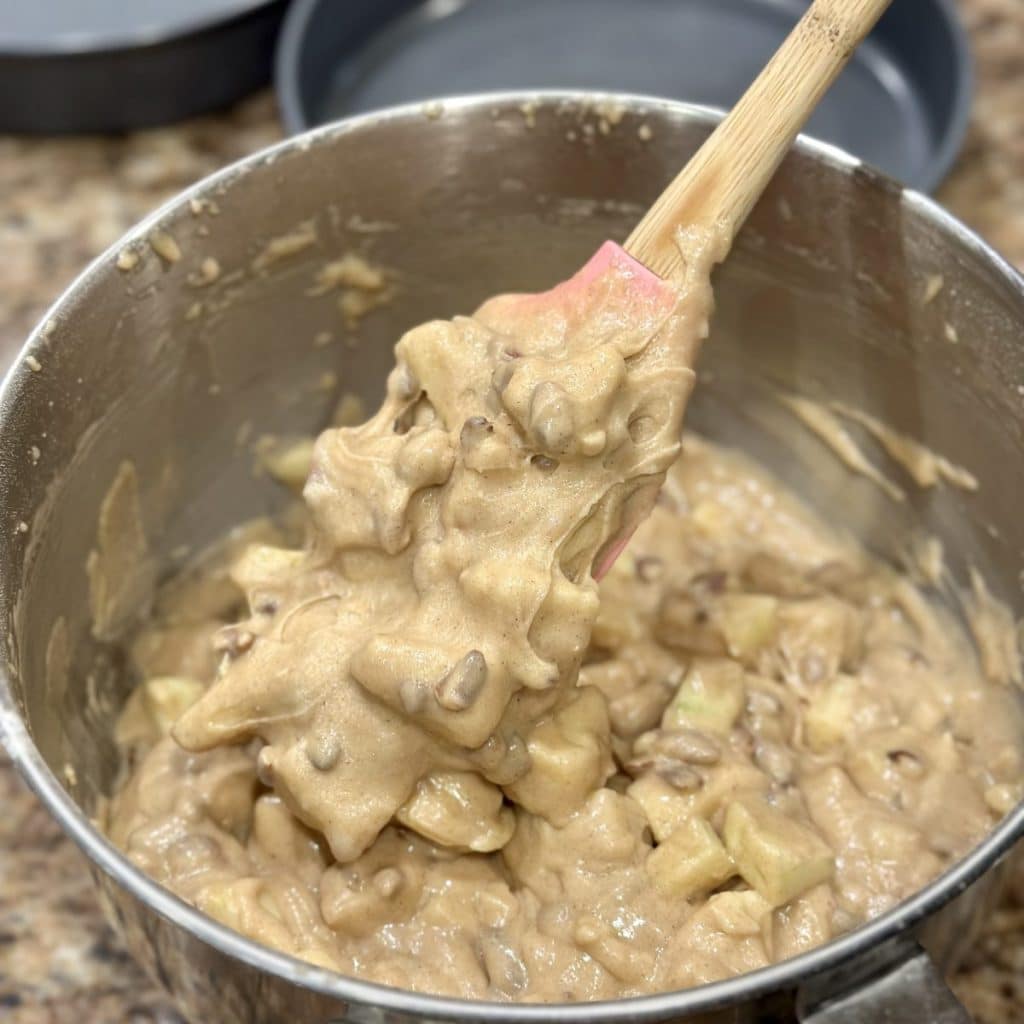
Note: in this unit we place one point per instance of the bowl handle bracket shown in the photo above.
(908, 988)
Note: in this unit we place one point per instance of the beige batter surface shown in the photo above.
(405, 735)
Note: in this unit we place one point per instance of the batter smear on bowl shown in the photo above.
(425, 747)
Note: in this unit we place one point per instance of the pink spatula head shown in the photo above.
(648, 294)
(648, 286)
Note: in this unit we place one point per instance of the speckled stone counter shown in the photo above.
(63, 201)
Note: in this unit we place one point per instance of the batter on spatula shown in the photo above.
(445, 598)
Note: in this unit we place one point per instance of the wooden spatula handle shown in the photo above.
(727, 174)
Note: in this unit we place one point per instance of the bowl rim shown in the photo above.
(787, 974)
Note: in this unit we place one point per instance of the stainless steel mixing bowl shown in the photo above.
(823, 293)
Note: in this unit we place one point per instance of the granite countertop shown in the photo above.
(63, 202)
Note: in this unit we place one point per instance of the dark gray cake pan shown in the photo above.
(901, 105)
(116, 65)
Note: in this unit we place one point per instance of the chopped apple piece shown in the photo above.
(711, 697)
(167, 698)
(690, 862)
(261, 564)
(224, 901)
(748, 623)
(460, 810)
(831, 713)
(570, 754)
(777, 856)
(709, 519)
(741, 913)
(1003, 797)
(287, 461)
(666, 808)
(802, 924)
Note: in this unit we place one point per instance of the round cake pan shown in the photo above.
(110, 66)
(901, 105)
